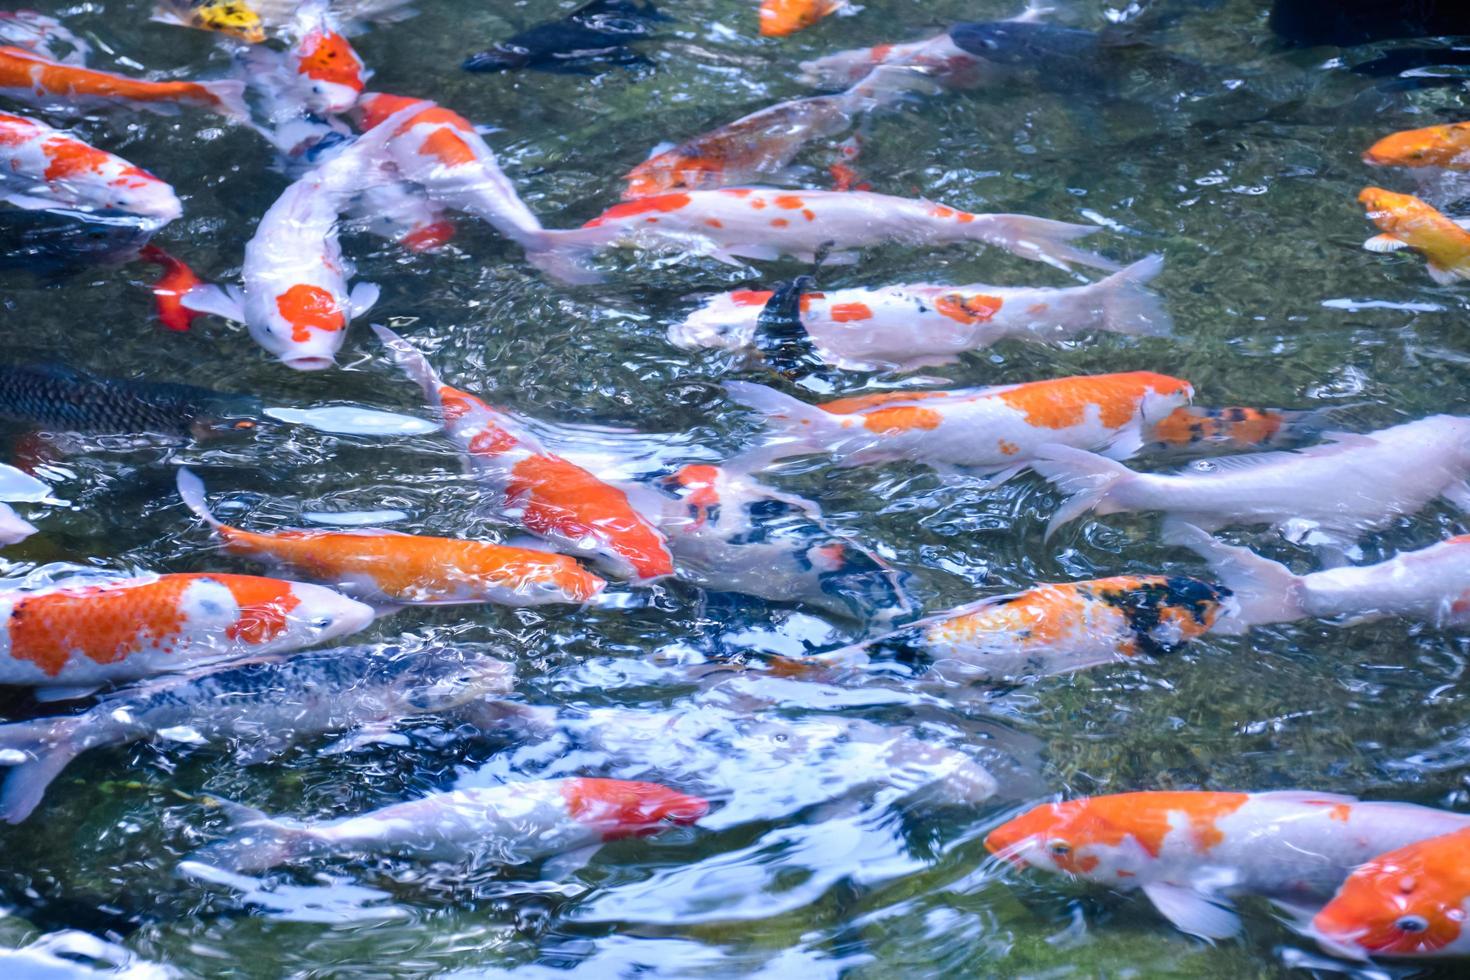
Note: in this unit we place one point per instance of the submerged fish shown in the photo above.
(511, 824)
(319, 71)
(1408, 222)
(44, 35)
(938, 58)
(901, 328)
(43, 168)
(1432, 584)
(75, 634)
(1412, 901)
(779, 18)
(1053, 629)
(1445, 146)
(551, 497)
(62, 399)
(267, 704)
(1326, 495)
(996, 431)
(1192, 852)
(757, 223)
(600, 30)
(38, 80)
(389, 567)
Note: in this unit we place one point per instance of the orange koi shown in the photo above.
(1408, 222)
(34, 78)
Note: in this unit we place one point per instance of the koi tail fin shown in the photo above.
(1086, 478)
(191, 492)
(1129, 307)
(411, 362)
(566, 256)
(258, 844)
(42, 749)
(1040, 239)
(228, 95)
(1264, 591)
(791, 424)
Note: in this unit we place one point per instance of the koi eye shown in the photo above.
(1059, 848)
(1412, 923)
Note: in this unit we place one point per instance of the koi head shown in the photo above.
(620, 808)
(1073, 838)
(1410, 902)
(673, 171)
(1434, 146)
(272, 614)
(305, 327)
(438, 680)
(1162, 394)
(330, 69)
(233, 17)
(1387, 209)
(138, 192)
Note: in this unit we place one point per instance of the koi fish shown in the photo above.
(44, 35)
(268, 704)
(441, 153)
(1190, 429)
(169, 290)
(1410, 901)
(1408, 222)
(779, 18)
(753, 223)
(515, 823)
(600, 30)
(1431, 584)
(938, 58)
(1190, 853)
(1434, 146)
(1325, 495)
(1052, 629)
(38, 80)
(86, 633)
(42, 168)
(296, 301)
(996, 430)
(729, 533)
(320, 72)
(900, 328)
(760, 147)
(233, 18)
(553, 498)
(254, 20)
(400, 212)
(388, 567)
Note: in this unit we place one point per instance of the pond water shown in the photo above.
(1237, 159)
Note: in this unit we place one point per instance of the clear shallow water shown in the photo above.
(1247, 189)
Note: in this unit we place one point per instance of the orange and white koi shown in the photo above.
(994, 430)
(295, 300)
(1431, 584)
(938, 58)
(901, 328)
(171, 287)
(1190, 853)
(1326, 495)
(41, 168)
(1052, 629)
(1408, 222)
(440, 152)
(513, 823)
(1445, 146)
(758, 223)
(1412, 901)
(1192, 429)
(90, 633)
(779, 18)
(41, 81)
(388, 567)
(552, 497)
(44, 35)
(320, 72)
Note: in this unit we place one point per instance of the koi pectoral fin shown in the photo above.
(1192, 912)
(227, 302)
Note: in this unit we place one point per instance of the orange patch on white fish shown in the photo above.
(1063, 402)
(978, 308)
(309, 308)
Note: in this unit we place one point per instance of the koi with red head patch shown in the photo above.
(96, 633)
(1409, 902)
(995, 431)
(1434, 146)
(41, 167)
(779, 18)
(1192, 852)
(1408, 222)
(901, 328)
(36, 79)
(550, 496)
(328, 71)
(387, 567)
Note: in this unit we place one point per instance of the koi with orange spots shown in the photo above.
(1445, 146)
(320, 72)
(1051, 629)
(44, 168)
(1431, 585)
(86, 633)
(761, 223)
(987, 431)
(295, 300)
(391, 568)
(1408, 222)
(550, 496)
(35, 79)
(1191, 853)
(779, 18)
(900, 328)
(508, 824)
(1412, 901)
